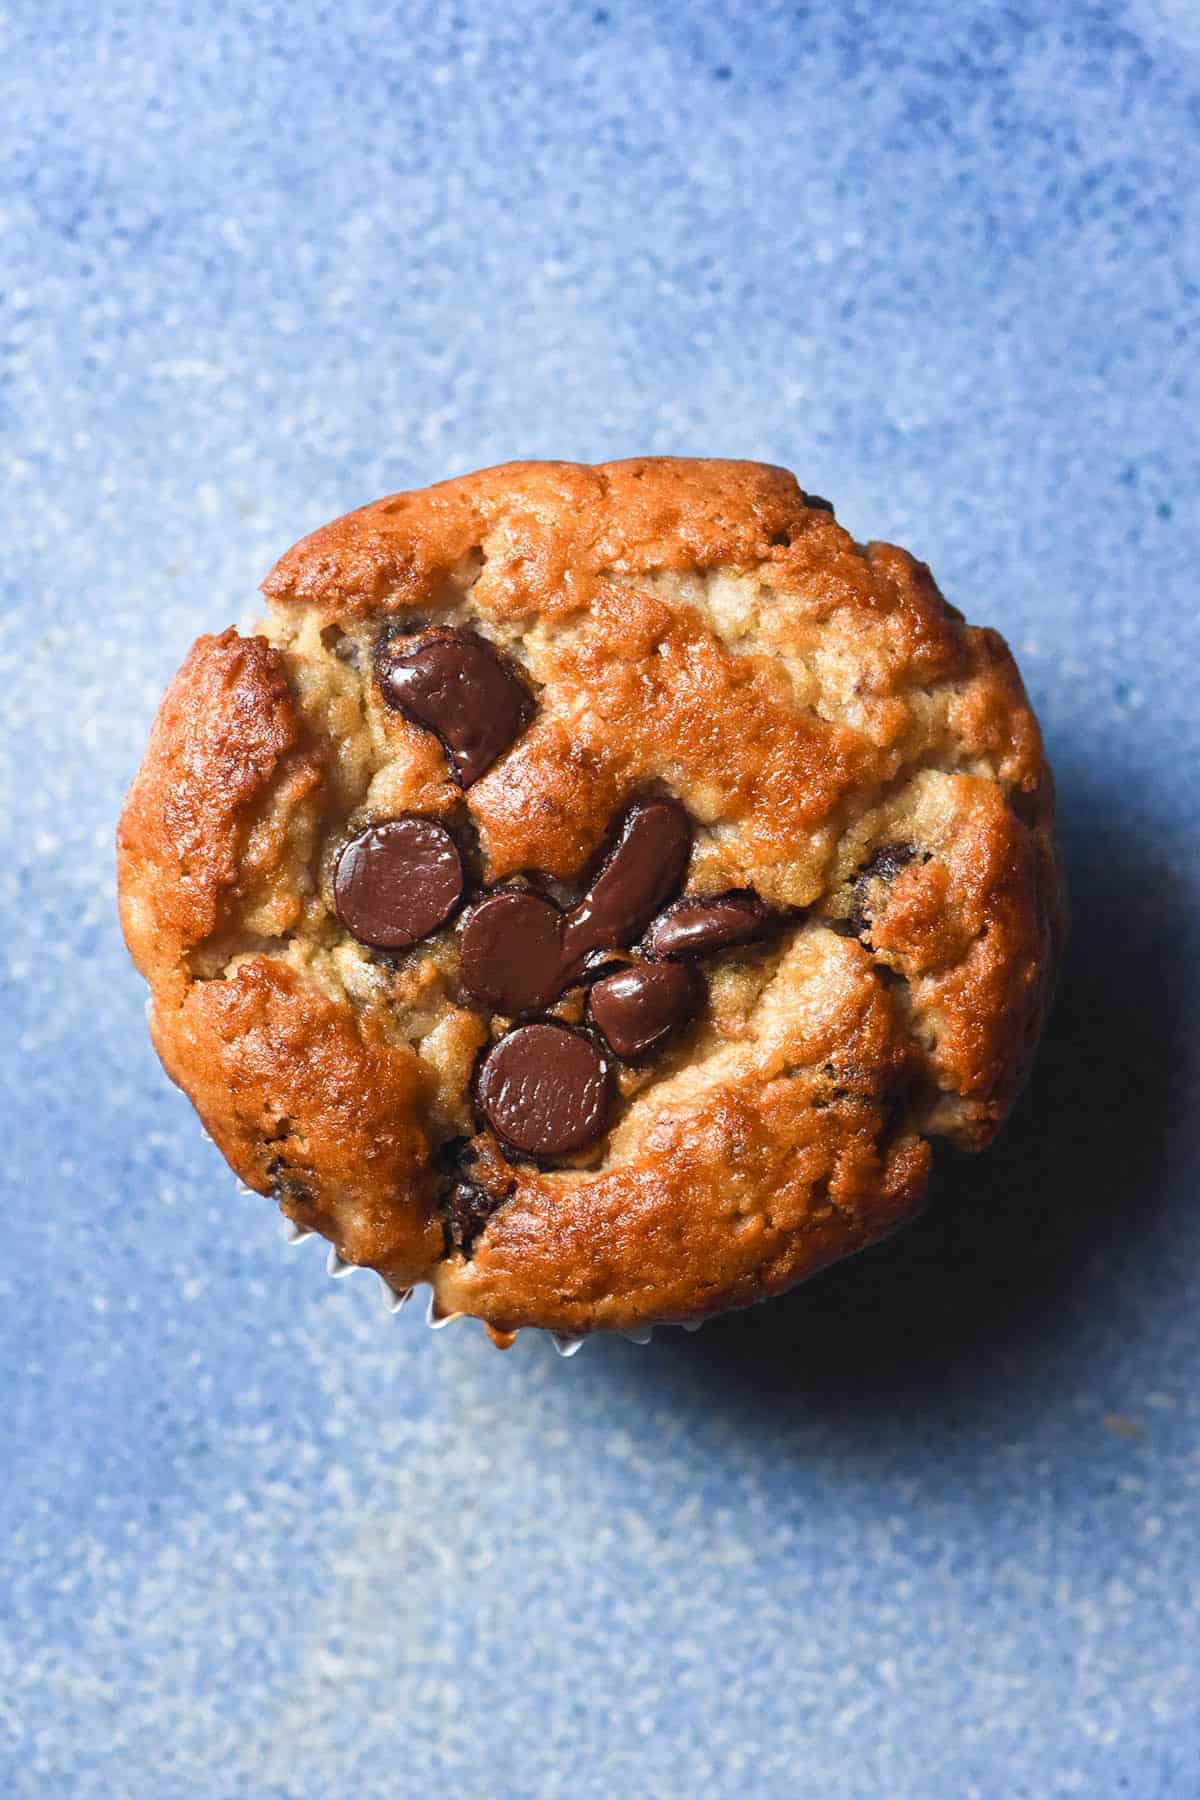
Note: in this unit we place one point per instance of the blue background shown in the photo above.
(927, 1528)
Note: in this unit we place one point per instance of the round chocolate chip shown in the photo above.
(397, 881)
(643, 869)
(637, 1008)
(545, 1089)
(815, 501)
(454, 683)
(511, 952)
(694, 926)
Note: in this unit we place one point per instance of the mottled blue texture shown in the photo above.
(926, 1529)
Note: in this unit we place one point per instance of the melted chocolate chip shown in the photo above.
(545, 1089)
(820, 505)
(397, 881)
(468, 1208)
(644, 868)
(511, 952)
(695, 925)
(454, 683)
(636, 1009)
(885, 865)
(519, 951)
(888, 861)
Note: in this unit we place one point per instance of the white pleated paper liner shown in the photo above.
(395, 1298)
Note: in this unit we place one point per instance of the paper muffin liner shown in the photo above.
(396, 1298)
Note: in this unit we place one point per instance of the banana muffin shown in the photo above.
(591, 890)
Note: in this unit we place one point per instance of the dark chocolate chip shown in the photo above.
(519, 952)
(695, 925)
(884, 865)
(637, 1008)
(815, 501)
(454, 683)
(641, 872)
(468, 1208)
(545, 1089)
(397, 881)
(511, 952)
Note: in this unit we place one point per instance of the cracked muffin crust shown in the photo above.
(591, 889)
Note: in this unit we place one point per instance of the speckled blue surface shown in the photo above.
(926, 1529)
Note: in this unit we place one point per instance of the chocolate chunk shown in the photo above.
(885, 865)
(468, 1208)
(695, 925)
(511, 952)
(454, 683)
(643, 869)
(820, 505)
(545, 1089)
(637, 1008)
(397, 881)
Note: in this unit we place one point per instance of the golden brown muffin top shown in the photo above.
(847, 754)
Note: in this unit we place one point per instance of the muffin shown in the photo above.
(590, 891)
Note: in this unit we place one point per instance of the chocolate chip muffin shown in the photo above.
(591, 890)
